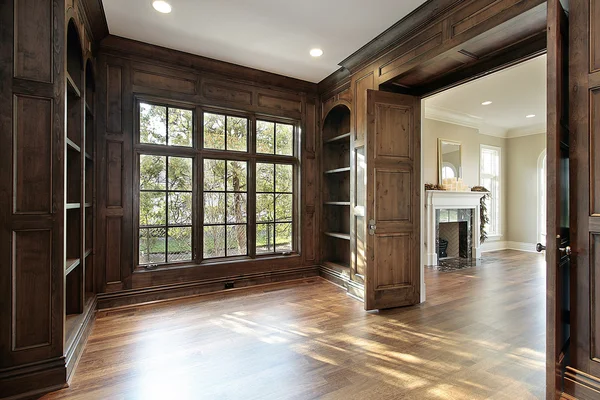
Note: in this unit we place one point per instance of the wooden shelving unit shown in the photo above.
(79, 181)
(336, 191)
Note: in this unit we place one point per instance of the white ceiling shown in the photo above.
(514, 92)
(271, 35)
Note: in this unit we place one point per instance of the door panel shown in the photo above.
(558, 235)
(582, 375)
(393, 199)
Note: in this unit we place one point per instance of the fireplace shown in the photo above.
(452, 217)
(454, 233)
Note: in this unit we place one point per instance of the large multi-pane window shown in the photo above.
(489, 177)
(228, 190)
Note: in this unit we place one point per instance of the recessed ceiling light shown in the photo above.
(316, 52)
(486, 103)
(161, 6)
(530, 116)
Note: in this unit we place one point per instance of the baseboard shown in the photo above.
(74, 352)
(507, 245)
(495, 245)
(154, 294)
(33, 380)
(354, 289)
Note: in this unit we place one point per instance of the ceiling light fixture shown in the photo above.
(530, 116)
(161, 6)
(316, 52)
(486, 103)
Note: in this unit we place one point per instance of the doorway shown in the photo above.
(491, 132)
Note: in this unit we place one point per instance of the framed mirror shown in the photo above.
(449, 160)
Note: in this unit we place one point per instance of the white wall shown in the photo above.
(519, 212)
(470, 140)
(522, 154)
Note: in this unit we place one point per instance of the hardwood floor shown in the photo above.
(481, 334)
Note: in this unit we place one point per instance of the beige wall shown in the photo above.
(470, 140)
(519, 173)
(523, 154)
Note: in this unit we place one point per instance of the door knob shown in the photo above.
(566, 250)
(540, 247)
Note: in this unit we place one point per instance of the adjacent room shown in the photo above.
(207, 199)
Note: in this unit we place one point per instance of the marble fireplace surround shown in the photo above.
(447, 200)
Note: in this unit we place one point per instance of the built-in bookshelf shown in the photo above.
(336, 190)
(79, 182)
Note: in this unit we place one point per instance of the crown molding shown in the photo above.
(470, 121)
(526, 131)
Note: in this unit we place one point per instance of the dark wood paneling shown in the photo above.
(114, 174)
(216, 91)
(360, 104)
(32, 318)
(470, 17)
(163, 82)
(33, 40)
(160, 55)
(32, 143)
(114, 105)
(113, 249)
(594, 36)
(394, 196)
(417, 46)
(595, 147)
(279, 103)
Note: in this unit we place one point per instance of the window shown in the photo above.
(225, 205)
(220, 211)
(274, 208)
(489, 178)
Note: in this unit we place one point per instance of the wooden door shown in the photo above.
(558, 224)
(582, 372)
(393, 200)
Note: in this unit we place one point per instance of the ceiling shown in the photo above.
(514, 92)
(270, 35)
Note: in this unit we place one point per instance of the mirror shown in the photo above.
(449, 160)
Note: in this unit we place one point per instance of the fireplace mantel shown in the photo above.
(440, 200)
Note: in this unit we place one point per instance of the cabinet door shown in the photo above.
(393, 174)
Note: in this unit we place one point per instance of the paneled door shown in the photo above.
(558, 222)
(393, 175)
(582, 372)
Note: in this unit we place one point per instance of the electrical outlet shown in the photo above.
(228, 285)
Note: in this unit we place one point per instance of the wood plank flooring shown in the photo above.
(481, 334)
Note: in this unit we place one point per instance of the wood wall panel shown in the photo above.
(113, 249)
(164, 82)
(418, 46)
(33, 40)
(216, 91)
(114, 106)
(393, 196)
(32, 155)
(31, 272)
(468, 18)
(311, 128)
(595, 298)
(279, 103)
(393, 132)
(360, 104)
(392, 261)
(594, 36)
(114, 174)
(595, 153)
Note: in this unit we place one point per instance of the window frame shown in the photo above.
(198, 153)
(495, 214)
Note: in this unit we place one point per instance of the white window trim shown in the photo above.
(498, 232)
